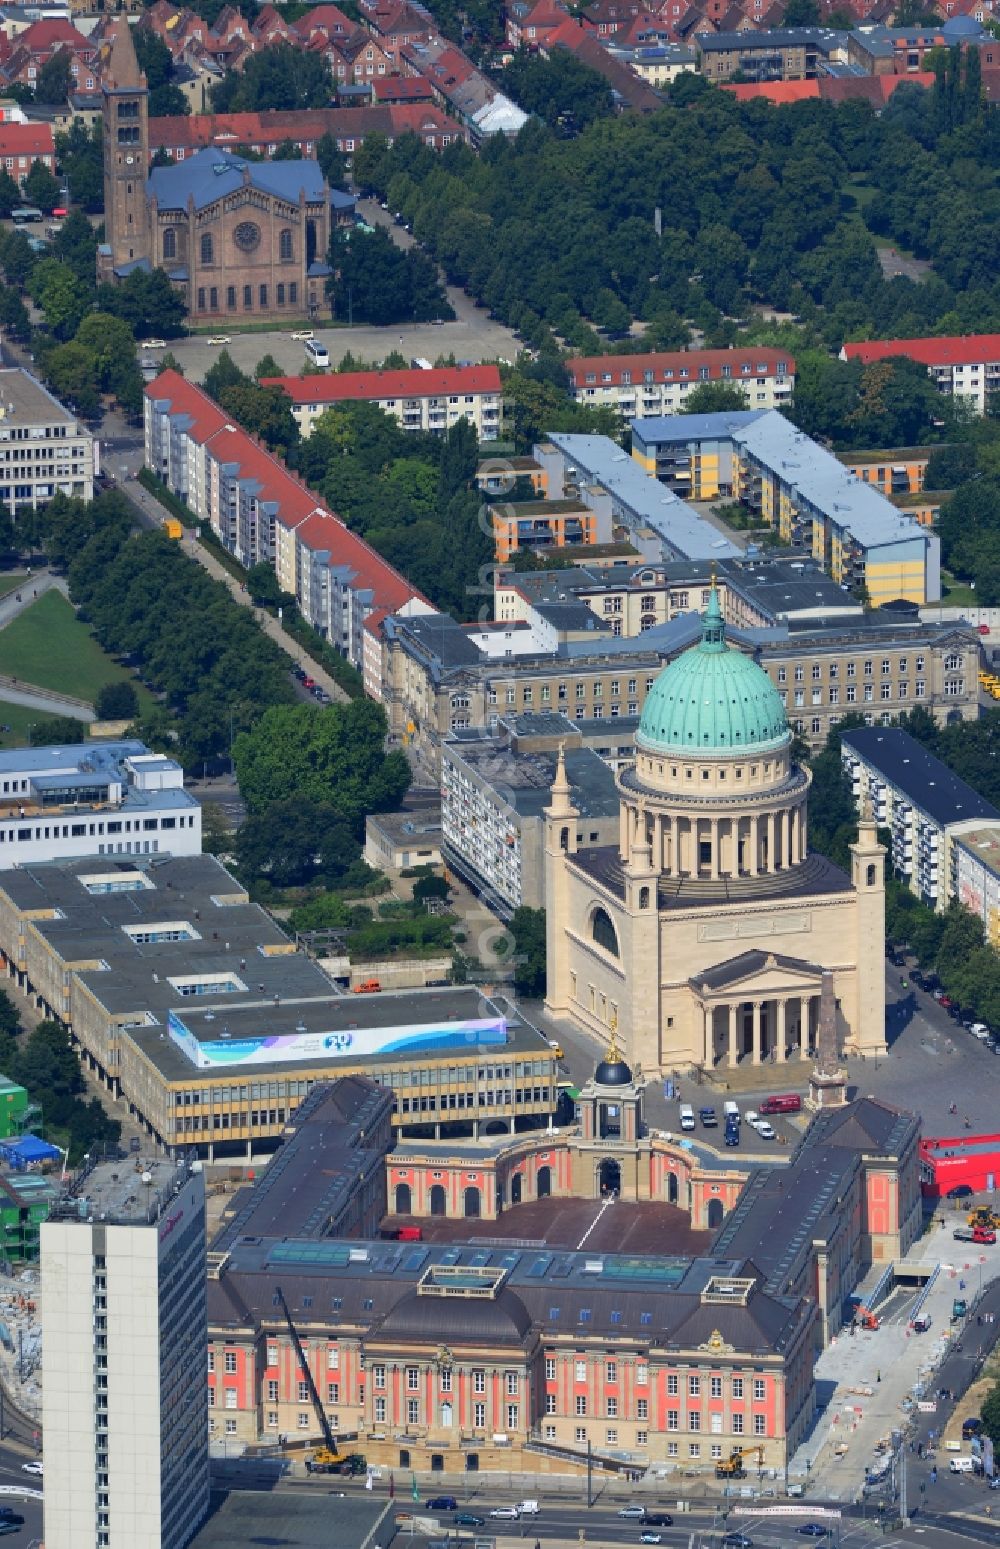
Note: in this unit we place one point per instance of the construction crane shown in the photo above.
(732, 1467)
(328, 1457)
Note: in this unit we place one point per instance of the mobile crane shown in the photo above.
(732, 1467)
(328, 1458)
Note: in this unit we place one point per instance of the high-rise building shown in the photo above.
(124, 1326)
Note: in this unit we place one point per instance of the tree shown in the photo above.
(289, 843)
(278, 77)
(71, 372)
(262, 584)
(54, 730)
(802, 13)
(40, 187)
(166, 100)
(80, 156)
(333, 163)
(10, 194)
(265, 411)
(117, 701)
(527, 927)
(335, 755)
(431, 887)
(375, 282)
(715, 398)
(989, 1412)
(75, 244)
(54, 81)
(267, 366)
(148, 302)
(562, 90)
(223, 373)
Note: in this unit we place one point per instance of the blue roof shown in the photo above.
(28, 1149)
(342, 201)
(212, 174)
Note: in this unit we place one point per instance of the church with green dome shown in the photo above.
(702, 937)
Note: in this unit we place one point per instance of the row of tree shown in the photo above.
(43, 1062)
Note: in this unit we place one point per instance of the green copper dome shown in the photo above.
(713, 699)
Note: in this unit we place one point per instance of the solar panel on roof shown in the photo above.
(450, 1256)
(540, 1266)
(415, 1258)
(479, 1259)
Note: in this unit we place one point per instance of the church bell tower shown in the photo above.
(126, 156)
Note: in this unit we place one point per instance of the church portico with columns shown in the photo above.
(703, 935)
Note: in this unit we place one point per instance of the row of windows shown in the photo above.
(704, 373)
(212, 295)
(953, 687)
(206, 246)
(952, 663)
(87, 830)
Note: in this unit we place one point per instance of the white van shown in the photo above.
(960, 1466)
(687, 1116)
(317, 353)
(730, 1109)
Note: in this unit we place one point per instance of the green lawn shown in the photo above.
(20, 719)
(47, 646)
(11, 580)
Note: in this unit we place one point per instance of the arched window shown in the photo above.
(603, 931)
(170, 243)
(207, 249)
(644, 898)
(872, 874)
(285, 245)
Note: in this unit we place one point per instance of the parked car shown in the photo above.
(218, 338)
(765, 1130)
(302, 333)
(153, 344)
(34, 1467)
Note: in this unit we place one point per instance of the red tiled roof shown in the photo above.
(42, 35)
(964, 351)
(296, 507)
(693, 361)
(774, 91)
(328, 18)
(346, 386)
(26, 140)
(393, 88)
(232, 129)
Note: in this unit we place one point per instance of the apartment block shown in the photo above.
(897, 472)
(125, 1400)
(976, 856)
(427, 400)
(101, 798)
(493, 795)
(967, 367)
(904, 788)
(44, 449)
(541, 525)
(642, 385)
(803, 491)
(261, 512)
(21, 145)
(778, 54)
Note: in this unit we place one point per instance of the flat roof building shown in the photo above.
(196, 1011)
(493, 796)
(902, 786)
(801, 490)
(976, 857)
(96, 798)
(124, 1319)
(44, 449)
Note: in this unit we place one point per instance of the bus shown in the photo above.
(24, 214)
(317, 352)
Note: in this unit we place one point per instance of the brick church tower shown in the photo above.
(126, 157)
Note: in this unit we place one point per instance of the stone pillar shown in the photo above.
(772, 841)
(754, 846)
(788, 836)
(709, 1037)
(781, 1034)
(755, 1035)
(733, 1055)
(806, 1036)
(803, 831)
(623, 844)
(714, 833)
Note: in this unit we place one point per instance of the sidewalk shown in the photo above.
(272, 627)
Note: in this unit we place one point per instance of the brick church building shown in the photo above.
(239, 238)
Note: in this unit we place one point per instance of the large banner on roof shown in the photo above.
(340, 1043)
